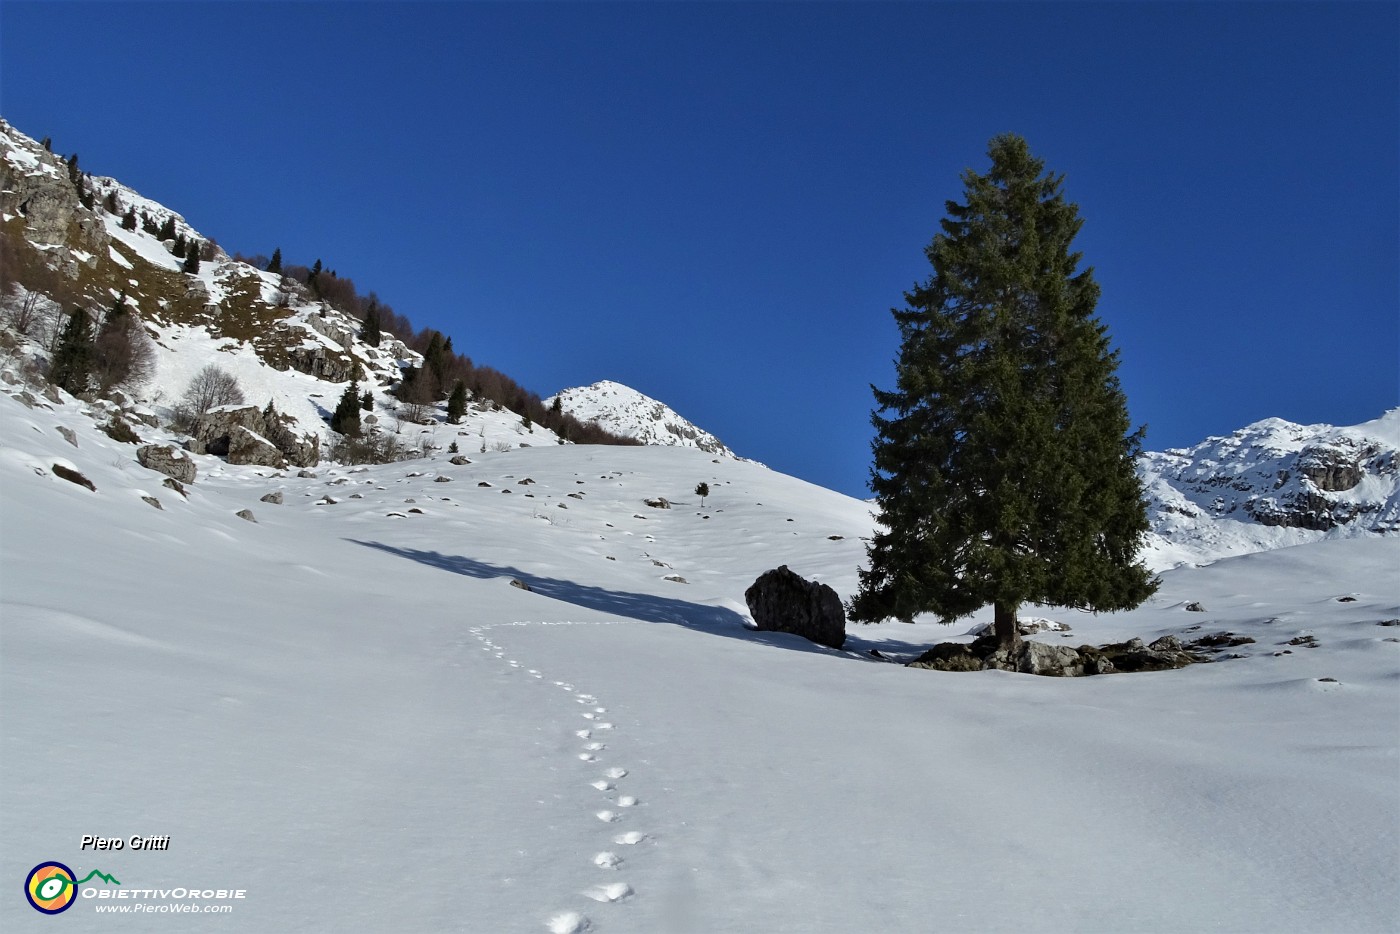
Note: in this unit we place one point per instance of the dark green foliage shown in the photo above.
(367, 401)
(275, 264)
(148, 225)
(346, 417)
(457, 403)
(192, 257)
(73, 360)
(369, 328)
(1004, 461)
(180, 246)
(452, 448)
(702, 490)
(129, 221)
(109, 203)
(75, 174)
(167, 229)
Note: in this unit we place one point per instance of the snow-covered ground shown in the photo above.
(347, 711)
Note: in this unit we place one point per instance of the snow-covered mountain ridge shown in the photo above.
(1272, 484)
(632, 414)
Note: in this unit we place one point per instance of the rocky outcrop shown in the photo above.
(167, 459)
(782, 601)
(242, 434)
(246, 447)
(34, 185)
(324, 363)
(1060, 661)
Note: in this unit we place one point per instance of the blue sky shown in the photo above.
(718, 203)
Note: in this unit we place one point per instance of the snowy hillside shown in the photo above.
(627, 412)
(502, 691)
(1273, 484)
(347, 695)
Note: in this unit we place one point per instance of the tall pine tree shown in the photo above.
(1004, 461)
(71, 368)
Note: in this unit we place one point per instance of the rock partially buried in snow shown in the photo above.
(783, 601)
(169, 460)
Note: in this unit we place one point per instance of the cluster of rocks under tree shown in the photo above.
(1062, 661)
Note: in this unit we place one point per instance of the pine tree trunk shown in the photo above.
(1004, 625)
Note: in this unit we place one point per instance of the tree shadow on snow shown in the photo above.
(650, 608)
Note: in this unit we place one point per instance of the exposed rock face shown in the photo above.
(782, 601)
(242, 434)
(324, 363)
(171, 461)
(34, 185)
(245, 447)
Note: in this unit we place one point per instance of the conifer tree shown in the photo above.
(71, 368)
(367, 402)
(129, 221)
(192, 257)
(346, 417)
(167, 229)
(1004, 462)
(702, 490)
(369, 328)
(457, 403)
(275, 264)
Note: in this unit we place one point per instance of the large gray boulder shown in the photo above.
(246, 447)
(167, 459)
(782, 601)
(242, 434)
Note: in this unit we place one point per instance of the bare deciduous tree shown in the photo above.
(210, 388)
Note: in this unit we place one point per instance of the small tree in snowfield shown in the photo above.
(702, 490)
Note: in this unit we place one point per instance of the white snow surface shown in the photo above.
(624, 411)
(346, 711)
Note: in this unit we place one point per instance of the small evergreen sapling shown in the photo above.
(346, 417)
(702, 490)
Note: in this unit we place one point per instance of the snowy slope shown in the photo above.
(1273, 484)
(346, 711)
(632, 414)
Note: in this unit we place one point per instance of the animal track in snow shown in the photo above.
(616, 773)
(630, 838)
(607, 860)
(626, 801)
(608, 817)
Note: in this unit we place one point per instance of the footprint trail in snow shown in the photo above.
(606, 804)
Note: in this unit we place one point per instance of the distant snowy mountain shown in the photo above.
(627, 412)
(1273, 484)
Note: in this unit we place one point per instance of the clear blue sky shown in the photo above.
(718, 203)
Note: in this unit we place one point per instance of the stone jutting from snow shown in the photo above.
(167, 459)
(783, 601)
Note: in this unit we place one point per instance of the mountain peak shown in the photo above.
(624, 411)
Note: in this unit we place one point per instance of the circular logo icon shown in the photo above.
(50, 888)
